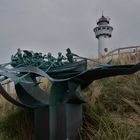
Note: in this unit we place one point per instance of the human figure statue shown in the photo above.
(18, 54)
(37, 59)
(60, 58)
(39, 55)
(27, 56)
(14, 61)
(27, 53)
(50, 58)
(17, 59)
(70, 55)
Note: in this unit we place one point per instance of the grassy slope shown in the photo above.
(113, 108)
(112, 112)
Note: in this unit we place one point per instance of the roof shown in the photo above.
(103, 19)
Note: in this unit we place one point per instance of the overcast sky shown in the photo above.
(54, 25)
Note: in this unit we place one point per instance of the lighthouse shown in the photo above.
(103, 32)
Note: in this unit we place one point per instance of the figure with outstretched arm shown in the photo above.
(70, 55)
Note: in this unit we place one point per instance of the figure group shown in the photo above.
(26, 57)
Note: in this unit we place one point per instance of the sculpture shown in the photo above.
(58, 115)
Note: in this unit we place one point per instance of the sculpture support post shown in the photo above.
(58, 122)
(41, 119)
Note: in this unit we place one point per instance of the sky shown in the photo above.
(54, 25)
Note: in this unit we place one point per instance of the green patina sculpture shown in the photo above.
(25, 58)
(57, 113)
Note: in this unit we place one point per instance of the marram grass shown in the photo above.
(16, 123)
(107, 116)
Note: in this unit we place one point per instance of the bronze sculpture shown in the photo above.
(58, 115)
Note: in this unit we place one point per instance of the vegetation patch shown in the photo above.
(113, 114)
(17, 124)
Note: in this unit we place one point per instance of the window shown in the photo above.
(106, 49)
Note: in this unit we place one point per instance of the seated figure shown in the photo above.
(70, 55)
(17, 58)
(60, 58)
(50, 58)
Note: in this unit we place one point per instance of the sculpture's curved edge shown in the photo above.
(108, 71)
(123, 69)
(31, 95)
(11, 99)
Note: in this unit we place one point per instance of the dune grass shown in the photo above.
(109, 116)
(15, 123)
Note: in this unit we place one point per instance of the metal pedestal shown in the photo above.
(58, 122)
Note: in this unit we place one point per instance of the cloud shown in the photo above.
(48, 25)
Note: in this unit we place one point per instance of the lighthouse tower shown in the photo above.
(103, 32)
